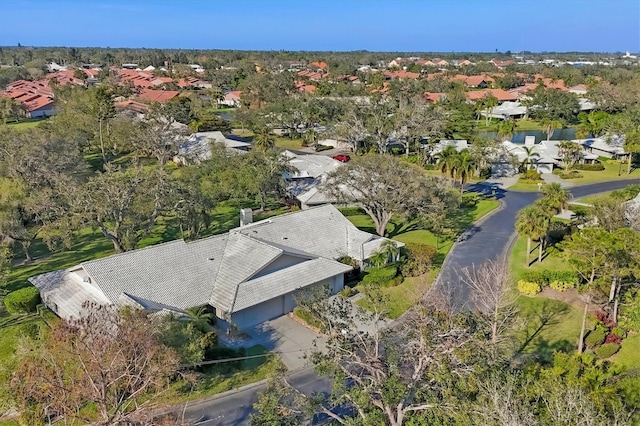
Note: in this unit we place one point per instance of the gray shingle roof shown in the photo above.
(253, 292)
(177, 274)
(231, 271)
(243, 257)
(322, 231)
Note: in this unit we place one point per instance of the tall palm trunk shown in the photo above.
(540, 248)
(528, 252)
(629, 158)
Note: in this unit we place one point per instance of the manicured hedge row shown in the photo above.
(22, 301)
(595, 167)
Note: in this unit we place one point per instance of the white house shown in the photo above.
(249, 275)
(198, 147)
(310, 172)
(611, 147)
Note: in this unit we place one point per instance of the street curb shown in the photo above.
(226, 393)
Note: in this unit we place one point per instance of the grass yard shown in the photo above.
(628, 356)
(525, 124)
(609, 173)
(553, 261)
(527, 187)
(288, 143)
(549, 325)
(26, 124)
(400, 298)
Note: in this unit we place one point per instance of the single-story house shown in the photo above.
(249, 275)
(458, 144)
(507, 110)
(310, 172)
(610, 147)
(198, 147)
(231, 99)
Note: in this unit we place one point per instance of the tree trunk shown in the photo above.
(494, 326)
(582, 328)
(612, 289)
(528, 253)
(540, 250)
(629, 158)
(117, 244)
(25, 248)
(104, 158)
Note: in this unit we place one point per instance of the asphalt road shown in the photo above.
(488, 239)
(236, 408)
(492, 237)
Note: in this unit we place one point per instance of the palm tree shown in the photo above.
(505, 129)
(570, 152)
(631, 146)
(448, 161)
(550, 126)
(264, 140)
(555, 197)
(466, 166)
(490, 102)
(532, 223)
(200, 317)
(530, 154)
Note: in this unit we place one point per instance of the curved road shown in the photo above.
(491, 237)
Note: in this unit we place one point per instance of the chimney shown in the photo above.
(529, 140)
(246, 217)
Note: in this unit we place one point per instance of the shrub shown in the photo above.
(347, 292)
(307, 317)
(595, 337)
(596, 167)
(419, 259)
(606, 350)
(573, 174)
(529, 288)
(351, 211)
(31, 331)
(22, 301)
(619, 331)
(430, 166)
(561, 285)
(320, 148)
(612, 338)
(530, 176)
(385, 277)
(546, 277)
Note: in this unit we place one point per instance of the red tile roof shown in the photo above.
(132, 106)
(319, 64)
(401, 74)
(501, 95)
(157, 95)
(37, 103)
(434, 97)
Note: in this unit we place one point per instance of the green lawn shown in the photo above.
(521, 186)
(549, 325)
(517, 258)
(400, 298)
(525, 124)
(629, 352)
(609, 173)
(26, 124)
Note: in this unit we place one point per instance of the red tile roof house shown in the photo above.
(501, 95)
(36, 96)
(157, 95)
(231, 99)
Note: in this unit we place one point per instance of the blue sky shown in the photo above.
(375, 25)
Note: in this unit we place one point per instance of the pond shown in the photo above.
(566, 134)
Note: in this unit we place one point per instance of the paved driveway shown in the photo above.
(289, 339)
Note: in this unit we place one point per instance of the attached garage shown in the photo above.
(262, 312)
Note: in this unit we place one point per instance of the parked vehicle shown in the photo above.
(343, 158)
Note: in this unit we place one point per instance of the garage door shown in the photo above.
(257, 314)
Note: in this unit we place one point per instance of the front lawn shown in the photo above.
(552, 261)
(26, 124)
(522, 186)
(629, 355)
(398, 299)
(612, 171)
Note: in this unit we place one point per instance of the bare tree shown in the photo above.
(113, 359)
(492, 294)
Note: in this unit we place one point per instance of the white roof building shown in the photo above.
(249, 275)
(198, 147)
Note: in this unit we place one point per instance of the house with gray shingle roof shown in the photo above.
(249, 275)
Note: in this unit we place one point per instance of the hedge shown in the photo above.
(420, 258)
(22, 301)
(573, 174)
(606, 350)
(547, 277)
(596, 167)
(386, 277)
(530, 176)
(595, 337)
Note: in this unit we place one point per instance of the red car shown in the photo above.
(343, 158)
